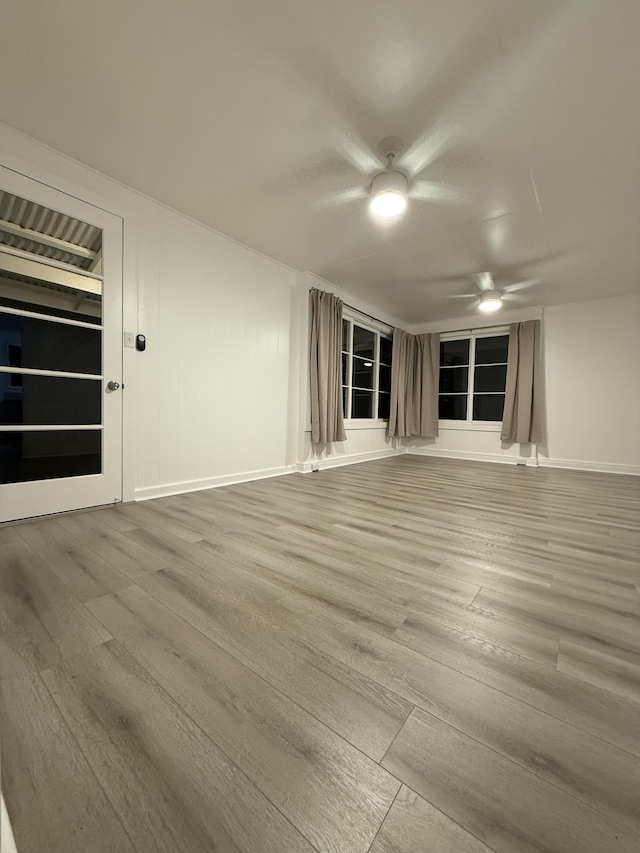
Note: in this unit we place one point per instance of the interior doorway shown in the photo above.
(60, 351)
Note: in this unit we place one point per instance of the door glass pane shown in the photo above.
(27, 456)
(452, 408)
(345, 335)
(364, 342)
(49, 400)
(28, 342)
(362, 404)
(488, 407)
(492, 350)
(47, 290)
(454, 380)
(454, 352)
(490, 377)
(362, 373)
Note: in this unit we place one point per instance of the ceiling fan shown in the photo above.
(390, 188)
(489, 297)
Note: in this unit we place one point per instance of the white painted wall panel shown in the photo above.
(592, 376)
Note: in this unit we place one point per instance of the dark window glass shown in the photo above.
(345, 335)
(385, 378)
(362, 404)
(384, 406)
(490, 378)
(452, 408)
(492, 350)
(345, 358)
(345, 392)
(34, 400)
(363, 372)
(386, 347)
(27, 342)
(488, 407)
(454, 380)
(28, 456)
(454, 352)
(364, 342)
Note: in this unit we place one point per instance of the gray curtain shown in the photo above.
(522, 420)
(415, 368)
(325, 368)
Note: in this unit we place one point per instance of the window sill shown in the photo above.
(365, 423)
(471, 426)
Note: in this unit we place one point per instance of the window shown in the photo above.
(366, 372)
(473, 374)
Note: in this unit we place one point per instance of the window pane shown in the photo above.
(384, 406)
(452, 408)
(492, 350)
(28, 456)
(38, 294)
(26, 342)
(362, 373)
(490, 378)
(33, 400)
(454, 379)
(488, 407)
(362, 404)
(345, 335)
(345, 358)
(345, 395)
(386, 347)
(454, 352)
(385, 378)
(364, 342)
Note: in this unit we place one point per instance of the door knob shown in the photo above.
(113, 385)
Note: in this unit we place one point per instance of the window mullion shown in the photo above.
(472, 372)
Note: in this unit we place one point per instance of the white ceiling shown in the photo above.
(260, 117)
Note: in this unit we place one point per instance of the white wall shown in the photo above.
(592, 377)
(208, 402)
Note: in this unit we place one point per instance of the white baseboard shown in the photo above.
(596, 467)
(338, 461)
(500, 458)
(168, 489)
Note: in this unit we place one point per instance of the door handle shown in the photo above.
(113, 385)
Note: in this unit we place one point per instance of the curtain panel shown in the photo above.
(415, 367)
(325, 368)
(522, 419)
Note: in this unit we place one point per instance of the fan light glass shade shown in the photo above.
(490, 302)
(388, 194)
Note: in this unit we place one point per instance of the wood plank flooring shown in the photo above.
(403, 656)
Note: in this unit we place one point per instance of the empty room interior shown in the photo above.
(320, 426)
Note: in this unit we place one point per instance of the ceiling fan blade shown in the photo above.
(514, 297)
(356, 152)
(463, 296)
(344, 197)
(484, 281)
(520, 285)
(432, 191)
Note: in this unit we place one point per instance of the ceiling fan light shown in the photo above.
(490, 302)
(388, 194)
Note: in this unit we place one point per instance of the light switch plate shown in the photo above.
(129, 339)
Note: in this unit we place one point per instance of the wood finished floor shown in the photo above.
(399, 656)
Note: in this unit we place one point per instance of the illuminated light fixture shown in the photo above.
(388, 194)
(490, 302)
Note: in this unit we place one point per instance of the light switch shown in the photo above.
(129, 340)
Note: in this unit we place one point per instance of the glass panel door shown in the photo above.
(60, 345)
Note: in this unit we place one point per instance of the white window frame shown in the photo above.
(380, 330)
(469, 423)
